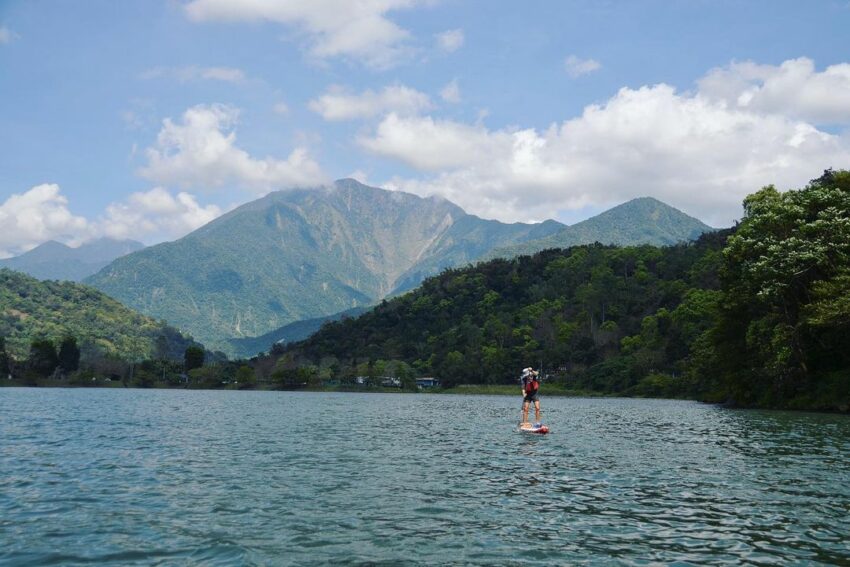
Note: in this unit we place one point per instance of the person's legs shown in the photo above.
(537, 411)
(524, 411)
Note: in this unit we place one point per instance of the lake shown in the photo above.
(165, 477)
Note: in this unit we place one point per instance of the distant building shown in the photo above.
(427, 382)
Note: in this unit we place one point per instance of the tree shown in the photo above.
(784, 273)
(69, 355)
(43, 360)
(193, 358)
(245, 377)
(4, 359)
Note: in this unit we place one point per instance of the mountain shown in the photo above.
(31, 309)
(302, 254)
(56, 261)
(293, 332)
(640, 221)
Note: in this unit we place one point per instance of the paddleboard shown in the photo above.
(538, 428)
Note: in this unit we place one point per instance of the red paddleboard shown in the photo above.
(538, 428)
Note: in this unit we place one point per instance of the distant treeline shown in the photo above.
(758, 315)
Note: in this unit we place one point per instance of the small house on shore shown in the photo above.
(427, 382)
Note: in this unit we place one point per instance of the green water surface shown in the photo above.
(164, 477)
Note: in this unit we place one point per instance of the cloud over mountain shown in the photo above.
(30, 218)
(201, 151)
(700, 151)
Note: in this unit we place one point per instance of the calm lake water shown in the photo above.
(152, 477)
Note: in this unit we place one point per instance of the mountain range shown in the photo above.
(310, 253)
(56, 261)
(640, 221)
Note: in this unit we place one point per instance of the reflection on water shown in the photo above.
(163, 477)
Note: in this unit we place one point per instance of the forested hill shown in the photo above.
(34, 310)
(640, 221)
(758, 316)
(570, 309)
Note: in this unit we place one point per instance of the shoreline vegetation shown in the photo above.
(753, 316)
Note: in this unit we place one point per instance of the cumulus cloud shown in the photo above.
(281, 108)
(193, 73)
(337, 104)
(201, 151)
(576, 66)
(155, 214)
(358, 29)
(31, 218)
(793, 88)
(42, 213)
(450, 40)
(451, 92)
(692, 150)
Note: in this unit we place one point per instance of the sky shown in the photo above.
(146, 119)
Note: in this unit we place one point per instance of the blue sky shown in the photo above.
(145, 119)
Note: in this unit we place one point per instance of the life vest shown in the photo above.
(531, 385)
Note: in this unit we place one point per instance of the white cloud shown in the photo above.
(793, 88)
(358, 29)
(451, 92)
(281, 108)
(576, 66)
(433, 145)
(7, 35)
(690, 150)
(193, 73)
(42, 214)
(450, 40)
(337, 104)
(201, 152)
(31, 218)
(155, 214)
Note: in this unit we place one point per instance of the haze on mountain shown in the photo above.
(56, 261)
(306, 254)
(644, 220)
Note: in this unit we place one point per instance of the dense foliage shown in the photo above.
(757, 315)
(56, 311)
(599, 317)
(783, 336)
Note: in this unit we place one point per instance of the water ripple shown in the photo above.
(135, 477)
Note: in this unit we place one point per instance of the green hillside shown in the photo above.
(301, 254)
(31, 309)
(639, 221)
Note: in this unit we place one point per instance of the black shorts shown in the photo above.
(532, 397)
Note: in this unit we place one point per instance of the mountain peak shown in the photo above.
(643, 220)
(56, 261)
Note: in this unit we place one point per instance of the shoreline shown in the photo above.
(463, 389)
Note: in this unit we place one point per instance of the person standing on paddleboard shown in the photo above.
(530, 389)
